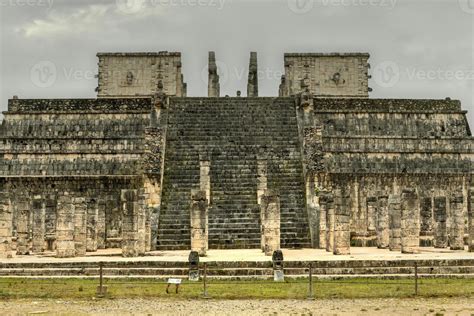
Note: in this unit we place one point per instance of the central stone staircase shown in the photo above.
(231, 133)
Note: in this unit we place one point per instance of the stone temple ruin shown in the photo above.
(143, 167)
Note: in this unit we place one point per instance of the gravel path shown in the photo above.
(385, 307)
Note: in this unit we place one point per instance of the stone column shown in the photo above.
(205, 178)
(270, 210)
(252, 86)
(371, 214)
(213, 89)
(142, 234)
(92, 225)
(261, 177)
(322, 221)
(130, 223)
(148, 245)
(456, 236)
(80, 226)
(6, 226)
(199, 222)
(101, 225)
(51, 206)
(22, 229)
(330, 222)
(65, 247)
(383, 229)
(313, 210)
(395, 218)
(440, 228)
(471, 220)
(410, 224)
(426, 230)
(39, 229)
(342, 229)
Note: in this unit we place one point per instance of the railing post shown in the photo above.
(310, 295)
(205, 281)
(416, 278)
(101, 289)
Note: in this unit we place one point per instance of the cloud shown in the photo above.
(87, 18)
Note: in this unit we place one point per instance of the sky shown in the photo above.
(419, 48)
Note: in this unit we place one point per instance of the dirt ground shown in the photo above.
(386, 307)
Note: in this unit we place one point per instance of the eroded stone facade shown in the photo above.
(144, 168)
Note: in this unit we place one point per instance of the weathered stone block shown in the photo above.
(270, 210)
(395, 217)
(199, 222)
(410, 223)
(440, 217)
(383, 229)
(456, 236)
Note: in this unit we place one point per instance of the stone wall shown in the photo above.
(327, 75)
(138, 74)
(380, 147)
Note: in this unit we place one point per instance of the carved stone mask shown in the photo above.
(130, 78)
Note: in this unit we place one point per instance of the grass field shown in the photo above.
(292, 289)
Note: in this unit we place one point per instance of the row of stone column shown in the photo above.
(67, 222)
(397, 221)
(334, 222)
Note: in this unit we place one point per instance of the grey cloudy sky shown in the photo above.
(419, 48)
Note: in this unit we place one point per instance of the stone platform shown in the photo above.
(246, 264)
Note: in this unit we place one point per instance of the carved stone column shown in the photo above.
(101, 232)
(199, 222)
(23, 214)
(130, 222)
(342, 229)
(322, 221)
(456, 236)
(6, 223)
(330, 222)
(395, 218)
(213, 89)
(142, 233)
(440, 228)
(39, 217)
(410, 224)
(270, 210)
(471, 220)
(426, 230)
(252, 86)
(383, 229)
(92, 225)
(65, 247)
(80, 227)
